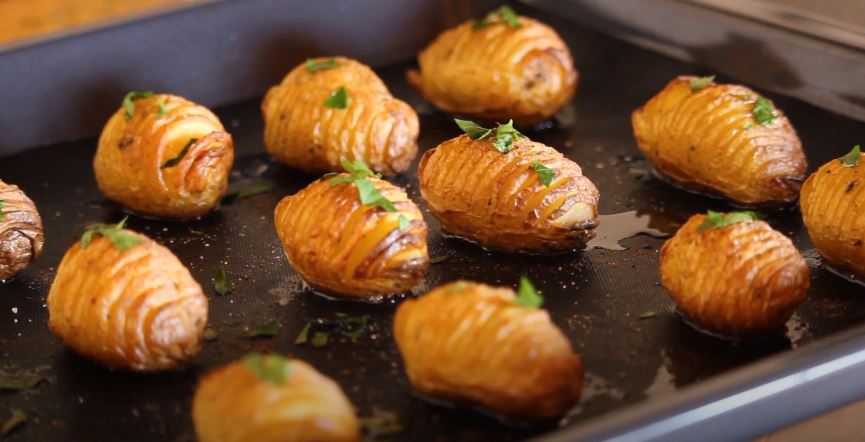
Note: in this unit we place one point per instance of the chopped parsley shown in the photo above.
(210, 335)
(698, 83)
(472, 129)
(220, 281)
(763, 111)
(2, 206)
(18, 382)
(171, 162)
(313, 65)
(121, 239)
(403, 222)
(253, 189)
(648, 315)
(545, 174)
(381, 424)
(129, 101)
(505, 133)
(527, 296)
(318, 331)
(438, 259)
(271, 368)
(17, 419)
(504, 14)
(359, 173)
(268, 329)
(162, 110)
(849, 160)
(717, 220)
(338, 99)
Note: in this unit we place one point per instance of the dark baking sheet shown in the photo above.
(596, 297)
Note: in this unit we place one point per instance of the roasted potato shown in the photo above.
(333, 108)
(723, 139)
(472, 343)
(125, 301)
(165, 156)
(343, 247)
(517, 68)
(21, 236)
(499, 200)
(833, 208)
(733, 274)
(271, 399)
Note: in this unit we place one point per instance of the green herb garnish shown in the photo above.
(267, 329)
(318, 331)
(698, 83)
(210, 334)
(338, 99)
(748, 126)
(220, 281)
(269, 368)
(648, 315)
(403, 222)
(2, 206)
(527, 296)
(319, 339)
(303, 336)
(129, 101)
(122, 239)
(763, 111)
(17, 419)
(503, 14)
(545, 174)
(359, 173)
(176, 160)
(505, 133)
(162, 110)
(313, 65)
(381, 424)
(717, 220)
(18, 383)
(849, 160)
(259, 187)
(438, 259)
(472, 129)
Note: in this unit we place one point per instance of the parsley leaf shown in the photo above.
(267, 329)
(162, 110)
(698, 83)
(648, 315)
(171, 162)
(763, 111)
(505, 135)
(210, 335)
(2, 206)
(472, 129)
(368, 193)
(269, 368)
(545, 174)
(313, 65)
(319, 339)
(129, 101)
(303, 336)
(403, 222)
(253, 189)
(220, 281)
(18, 382)
(381, 424)
(503, 14)
(338, 99)
(717, 220)
(370, 196)
(121, 239)
(318, 331)
(527, 295)
(849, 160)
(17, 419)
(438, 259)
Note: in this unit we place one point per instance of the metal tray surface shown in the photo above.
(595, 297)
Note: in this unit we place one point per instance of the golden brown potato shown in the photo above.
(343, 247)
(170, 158)
(497, 72)
(833, 208)
(499, 201)
(712, 140)
(125, 301)
(469, 342)
(732, 274)
(21, 236)
(304, 129)
(272, 399)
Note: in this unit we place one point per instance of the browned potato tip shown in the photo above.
(472, 343)
(165, 156)
(530, 198)
(733, 274)
(269, 398)
(21, 236)
(723, 139)
(328, 109)
(354, 235)
(125, 301)
(833, 208)
(500, 67)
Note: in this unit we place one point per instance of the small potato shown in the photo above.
(170, 158)
(497, 72)
(723, 139)
(833, 208)
(499, 200)
(733, 275)
(307, 127)
(21, 236)
(271, 399)
(125, 301)
(343, 247)
(472, 343)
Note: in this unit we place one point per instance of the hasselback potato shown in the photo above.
(733, 274)
(21, 235)
(723, 139)
(125, 301)
(472, 343)
(342, 245)
(500, 67)
(500, 200)
(165, 156)
(333, 108)
(833, 208)
(268, 398)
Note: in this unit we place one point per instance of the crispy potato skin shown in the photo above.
(497, 72)
(232, 404)
(138, 309)
(742, 279)
(498, 200)
(301, 132)
(699, 140)
(469, 342)
(131, 153)
(21, 236)
(833, 208)
(344, 248)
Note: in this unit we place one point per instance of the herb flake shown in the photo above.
(381, 424)
(717, 220)
(403, 222)
(438, 259)
(648, 315)
(472, 129)
(18, 382)
(271, 368)
(303, 336)
(545, 174)
(123, 240)
(527, 295)
(318, 331)
(338, 99)
(851, 159)
(129, 101)
(319, 339)
(504, 14)
(162, 110)
(359, 173)
(268, 329)
(505, 133)
(17, 419)
(763, 111)
(210, 335)
(313, 65)
(2, 206)
(698, 83)
(220, 281)
(171, 162)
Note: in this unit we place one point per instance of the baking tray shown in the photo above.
(653, 378)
